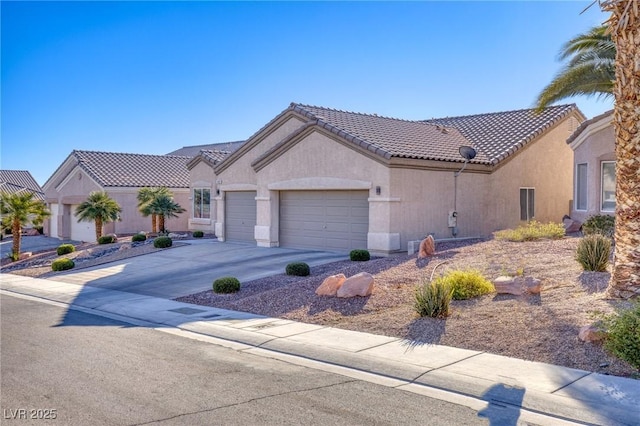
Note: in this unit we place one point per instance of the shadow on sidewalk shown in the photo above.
(504, 405)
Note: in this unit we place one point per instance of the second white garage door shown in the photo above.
(327, 220)
(240, 216)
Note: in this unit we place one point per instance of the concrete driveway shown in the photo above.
(192, 268)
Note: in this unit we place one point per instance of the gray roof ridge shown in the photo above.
(499, 112)
(76, 151)
(373, 115)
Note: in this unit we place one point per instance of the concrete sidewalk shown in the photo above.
(565, 393)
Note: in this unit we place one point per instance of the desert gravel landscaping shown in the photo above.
(542, 327)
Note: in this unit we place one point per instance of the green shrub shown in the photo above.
(138, 237)
(468, 284)
(198, 234)
(593, 252)
(226, 285)
(433, 299)
(299, 269)
(623, 335)
(65, 249)
(162, 242)
(62, 264)
(532, 231)
(599, 224)
(359, 255)
(106, 239)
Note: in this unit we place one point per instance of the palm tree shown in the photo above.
(624, 25)
(164, 207)
(18, 209)
(590, 70)
(145, 196)
(98, 208)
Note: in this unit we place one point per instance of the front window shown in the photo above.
(608, 196)
(202, 203)
(581, 186)
(527, 203)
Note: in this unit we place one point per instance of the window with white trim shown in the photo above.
(527, 203)
(581, 187)
(608, 186)
(202, 203)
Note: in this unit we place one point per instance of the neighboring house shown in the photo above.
(322, 178)
(193, 150)
(121, 176)
(593, 145)
(14, 181)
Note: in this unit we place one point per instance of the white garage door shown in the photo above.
(82, 231)
(328, 220)
(240, 216)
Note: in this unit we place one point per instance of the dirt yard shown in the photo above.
(542, 327)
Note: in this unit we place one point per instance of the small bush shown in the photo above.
(623, 335)
(299, 269)
(106, 239)
(532, 231)
(359, 255)
(433, 299)
(599, 224)
(162, 242)
(138, 237)
(62, 264)
(198, 234)
(468, 284)
(65, 249)
(593, 252)
(226, 285)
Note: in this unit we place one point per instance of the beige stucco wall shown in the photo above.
(546, 165)
(597, 147)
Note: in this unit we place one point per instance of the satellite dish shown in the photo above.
(467, 152)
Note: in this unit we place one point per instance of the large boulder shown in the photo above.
(358, 285)
(330, 285)
(591, 333)
(571, 226)
(427, 247)
(533, 285)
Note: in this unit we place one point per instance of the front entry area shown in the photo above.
(326, 220)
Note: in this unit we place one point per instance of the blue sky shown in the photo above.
(151, 77)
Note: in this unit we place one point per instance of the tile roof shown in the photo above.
(194, 150)
(113, 169)
(500, 134)
(391, 137)
(19, 180)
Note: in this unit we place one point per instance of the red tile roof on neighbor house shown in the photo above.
(114, 169)
(500, 134)
(12, 181)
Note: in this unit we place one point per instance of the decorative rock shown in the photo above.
(533, 285)
(427, 247)
(571, 226)
(358, 285)
(508, 285)
(591, 333)
(330, 285)
(174, 236)
(25, 255)
(124, 247)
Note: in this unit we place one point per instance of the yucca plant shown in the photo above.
(593, 252)
(432, 299)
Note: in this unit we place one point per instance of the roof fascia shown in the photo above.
(592, 128)
(436, 165)
(197, 160)
(63, 170)
(258, 137)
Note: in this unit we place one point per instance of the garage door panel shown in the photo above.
(334, 220)
(240, 216)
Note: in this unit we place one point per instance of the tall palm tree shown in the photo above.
(624, 25)
(19, 209)
(590, 70)
(145, 196)
(100, 209)
(164, 207)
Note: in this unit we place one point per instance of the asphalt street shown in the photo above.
(94, 370)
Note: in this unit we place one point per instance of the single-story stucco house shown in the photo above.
(121, 175)
(316, 177)
(593, 145)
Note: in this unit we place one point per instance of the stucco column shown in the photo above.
(267, 221)
(380, 237)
